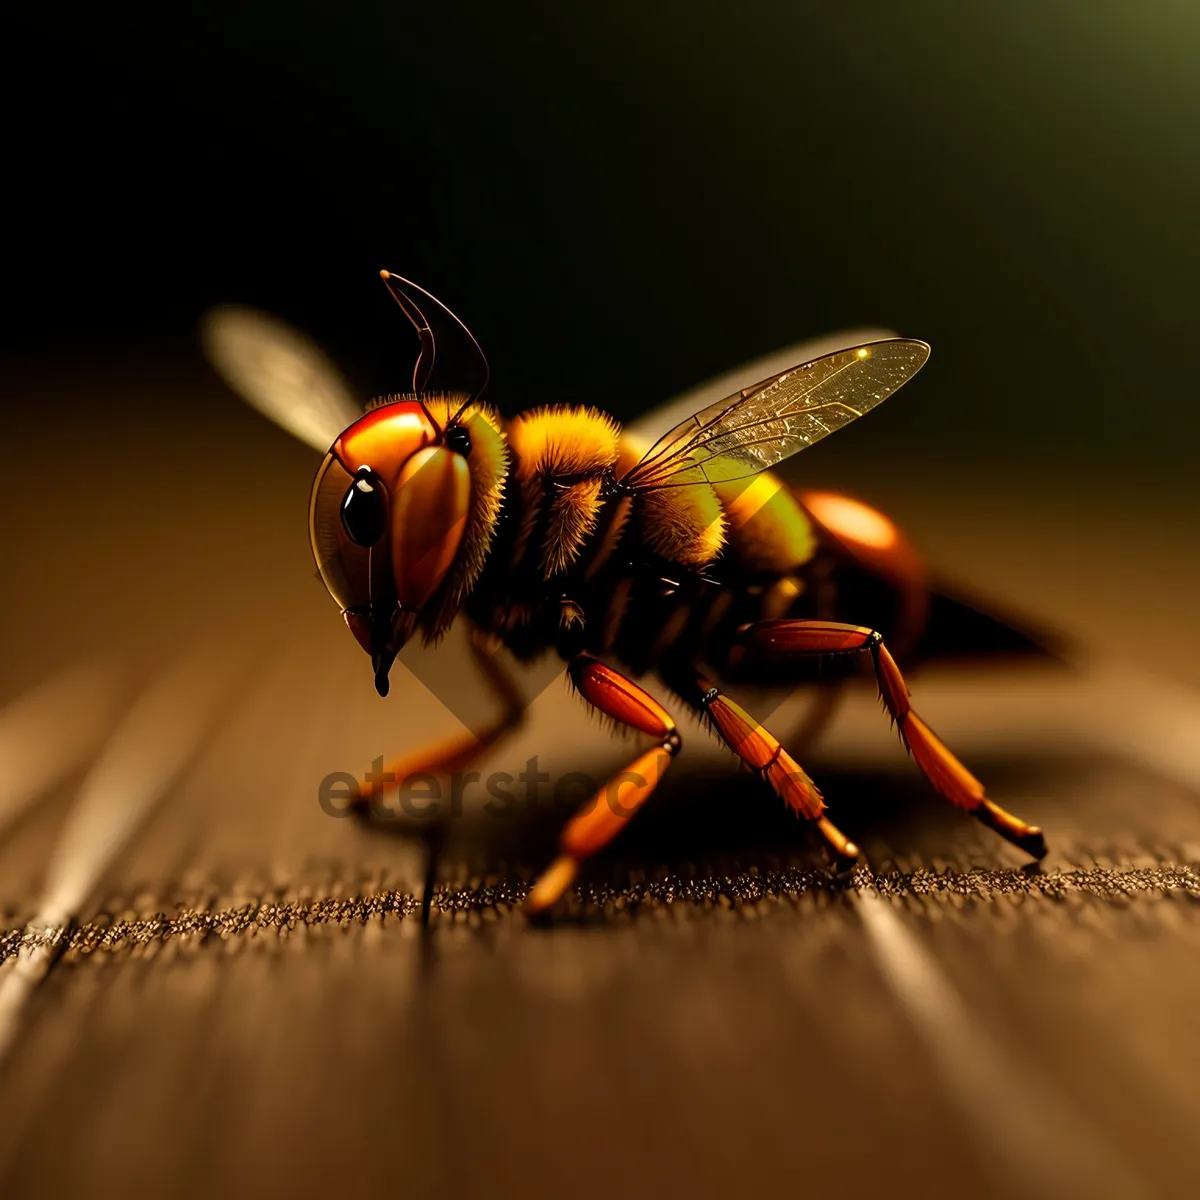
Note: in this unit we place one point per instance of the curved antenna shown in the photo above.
(402, 290)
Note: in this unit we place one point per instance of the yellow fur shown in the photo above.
(684, 524)
(488, 463)
(764, 528)
(572, 518)
(614, 531)
(559, 443)
(563, 441)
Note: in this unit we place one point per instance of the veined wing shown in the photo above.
(650, 426)
(278, 371)
(759, 426)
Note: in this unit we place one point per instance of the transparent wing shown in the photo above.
(650, 426)
(278, 371)
(759, 426)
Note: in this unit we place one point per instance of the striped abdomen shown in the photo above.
(578, 565)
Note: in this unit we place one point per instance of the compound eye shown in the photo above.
(364, 508)
(458, 439)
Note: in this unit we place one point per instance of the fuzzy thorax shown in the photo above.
(562, 453)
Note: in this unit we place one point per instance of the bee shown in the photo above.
(557, 532)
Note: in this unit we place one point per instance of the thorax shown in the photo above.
(577, 563)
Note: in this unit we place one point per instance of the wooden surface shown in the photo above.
(249, 1004)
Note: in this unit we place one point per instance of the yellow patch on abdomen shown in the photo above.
(767, 530)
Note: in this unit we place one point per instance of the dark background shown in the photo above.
(624, 198)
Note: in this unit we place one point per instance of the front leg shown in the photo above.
(458, 752)
(446, 758)
(609, 810)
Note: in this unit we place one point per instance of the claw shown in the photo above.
(1029, 838)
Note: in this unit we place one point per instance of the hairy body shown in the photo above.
(576, 565)
(557, 533)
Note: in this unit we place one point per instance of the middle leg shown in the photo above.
(761, 751)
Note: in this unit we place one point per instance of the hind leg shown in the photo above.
(773, 642)
(851, 535)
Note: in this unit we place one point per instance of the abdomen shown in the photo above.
(578, 565)
(666, 605)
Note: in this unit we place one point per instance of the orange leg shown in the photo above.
(776, 640)
(850, 531)
(458, 752)
(445, 758)
(608, 812)
(760, 750)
